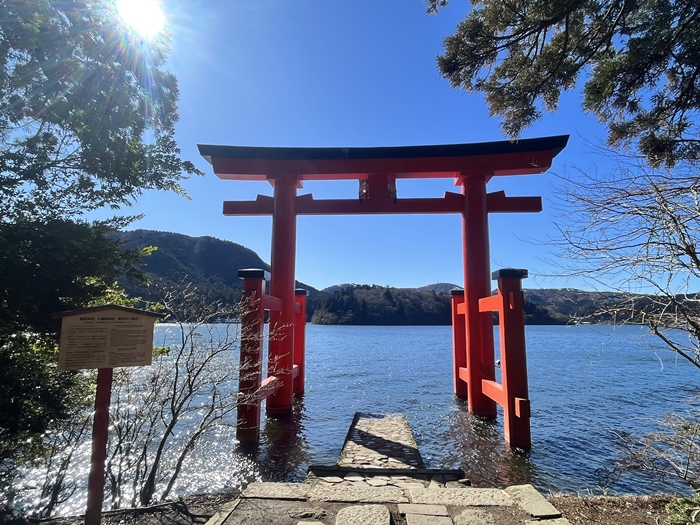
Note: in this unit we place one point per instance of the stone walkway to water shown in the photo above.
(380, 442)
(380, 479)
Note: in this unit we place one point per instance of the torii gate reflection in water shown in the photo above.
(471, 166)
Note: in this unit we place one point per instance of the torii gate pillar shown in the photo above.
(281, 347)
(477, 284)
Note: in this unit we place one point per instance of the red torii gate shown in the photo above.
(471, 166)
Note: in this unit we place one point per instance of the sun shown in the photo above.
(146, 17)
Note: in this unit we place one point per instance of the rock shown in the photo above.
(364, 515)
(532, 502)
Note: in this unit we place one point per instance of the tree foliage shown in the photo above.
(34, 396)
(361, 304)
(54, 265)
(371, 305)
(87, 116)
(640, 59)
(79, 94)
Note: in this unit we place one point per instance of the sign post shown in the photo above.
(103, 337)
(100, 426)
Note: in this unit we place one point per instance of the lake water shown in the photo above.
(585, 382)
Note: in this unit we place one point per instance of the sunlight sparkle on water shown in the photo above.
(146, 17)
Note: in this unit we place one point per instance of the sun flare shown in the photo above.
(146, 17)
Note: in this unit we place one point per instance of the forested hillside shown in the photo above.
(378, 305)
(571, 302)
(371, 304)
(211, 265)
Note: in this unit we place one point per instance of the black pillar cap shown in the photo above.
(301, 291)
(509, 273)
(457, 291)
(253, 273)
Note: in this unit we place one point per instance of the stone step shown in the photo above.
(380, 478)
(317, 502)
(398, 478)
(363, 515)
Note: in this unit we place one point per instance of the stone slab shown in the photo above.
(363, 515)
(557, 521)
(473, 517)
(281, 512)
(224, 511)
(320, 471)
(332, 479)
(420, 519)
(428, 510)
(408, 485)
(374, 482)
(310, 523)
(356, 494)
(532, 502)
(268, 490)
(466, 497)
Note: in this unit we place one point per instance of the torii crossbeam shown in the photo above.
(470, 165)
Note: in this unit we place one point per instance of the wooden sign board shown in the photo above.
(106, 337)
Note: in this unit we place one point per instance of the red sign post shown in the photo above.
(100, 427)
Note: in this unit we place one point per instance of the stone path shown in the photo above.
(380, 479)
(380, 442)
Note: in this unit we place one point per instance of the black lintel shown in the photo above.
(509, 273)
(254, 273)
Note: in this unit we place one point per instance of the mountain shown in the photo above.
(209, 264)
(573, 303)
(354, 304)
(438, 287)
(336, 287)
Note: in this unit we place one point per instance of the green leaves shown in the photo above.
(36, 395)
(87, 116)
(79, 95)
(683, 511)
(53, 266)
(641, 60)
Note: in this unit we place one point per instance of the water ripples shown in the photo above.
(585, 382)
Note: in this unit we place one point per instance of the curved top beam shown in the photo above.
(486, 158)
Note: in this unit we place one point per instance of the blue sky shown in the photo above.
(321, 73)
